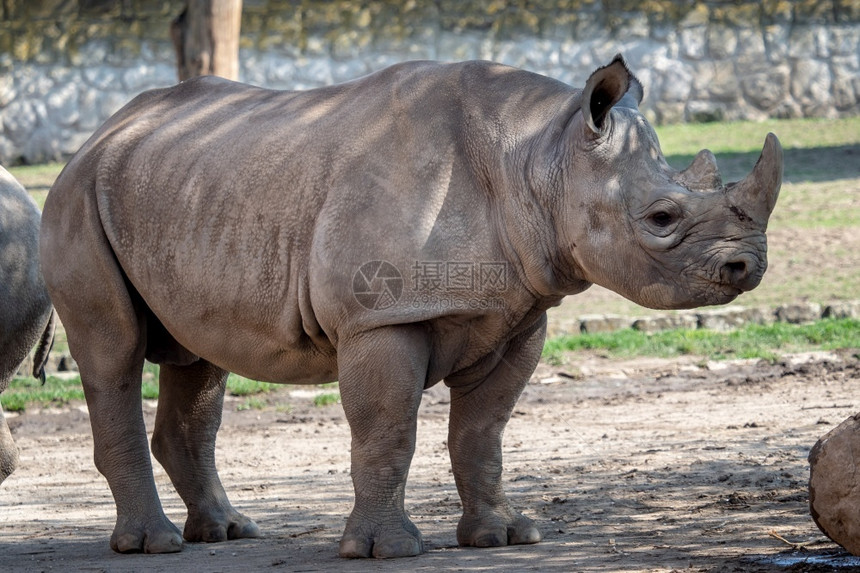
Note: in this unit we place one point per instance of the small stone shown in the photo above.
(834, 485)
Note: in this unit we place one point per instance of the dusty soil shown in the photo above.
(651, 465)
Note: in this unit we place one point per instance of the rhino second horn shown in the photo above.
(756, 194)
(702, 174)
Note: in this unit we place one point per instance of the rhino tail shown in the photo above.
(44, 347)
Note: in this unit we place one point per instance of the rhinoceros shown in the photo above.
(405, 228)
(26, 315)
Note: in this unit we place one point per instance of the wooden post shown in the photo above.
(206, 38)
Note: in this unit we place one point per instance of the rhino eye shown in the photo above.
(662, 219)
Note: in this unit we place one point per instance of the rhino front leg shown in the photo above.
(190, 403)
(479, 413)
(382, 375)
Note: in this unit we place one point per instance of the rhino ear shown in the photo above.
(605, 88)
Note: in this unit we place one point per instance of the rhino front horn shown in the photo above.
(756, 194)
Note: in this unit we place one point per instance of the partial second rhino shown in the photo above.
(409, 227)
(26, 315)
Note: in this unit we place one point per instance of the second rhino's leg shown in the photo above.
(190, 402)
(382, 375)
(8, 449)
(479, 413)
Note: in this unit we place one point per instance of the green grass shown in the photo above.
(25, 392)
(59, 391)
(240, 386)
(752, 341)
(37, 179)
(744, 136)
(327, 399)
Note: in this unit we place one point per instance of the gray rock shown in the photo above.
(566, 327)
(845, 88)
(705, 111)
(101, 77)
(7, 90)
(844, 41)
(62, 105)
(799, 313)
(810, 82)
(722, 42)
(20, 119)
(653, 324)
(596, 323)
(834, 484)
(723, 319)
(767, 88)
(694, 42)
(846, 309)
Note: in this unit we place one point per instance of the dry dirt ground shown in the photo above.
(650, 465)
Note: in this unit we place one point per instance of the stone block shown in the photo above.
(19, 119)
(564, 327)
(62, 105)
(844, 40)
(799, 313)
(834, 484)
(723, 319)
(846, 309)
(767, 88)
(810, 81)
(694, 42)
(760, 315)
(658, 323)
(776, 42)
(596, 323)
(705, 111)
(722, 42)
(845, 88)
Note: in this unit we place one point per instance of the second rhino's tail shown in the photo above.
(44, 347)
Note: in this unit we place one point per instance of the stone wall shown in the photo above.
(66, 65)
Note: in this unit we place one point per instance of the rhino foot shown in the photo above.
(157, 535)
(358, 542)
(475, 531)
(208, 529)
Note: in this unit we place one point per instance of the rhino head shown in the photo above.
(663, 238)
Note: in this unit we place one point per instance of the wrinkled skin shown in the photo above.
(215, 227)
(25, 309)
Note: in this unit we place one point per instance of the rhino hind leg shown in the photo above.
(479, 413)
(106, 334)
(111, 365)
(190, 402)
(382, 375)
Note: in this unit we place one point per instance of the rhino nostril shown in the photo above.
(736, 268)
(740, 273)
